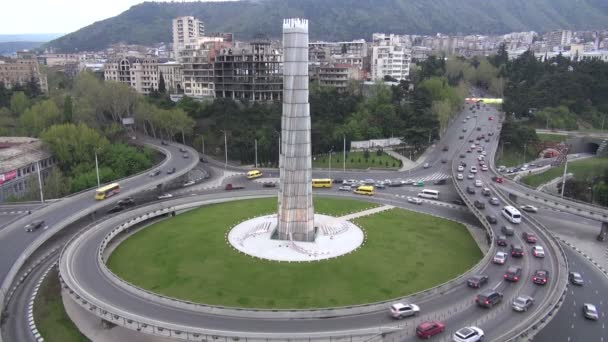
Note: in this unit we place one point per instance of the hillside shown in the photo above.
(150, 22)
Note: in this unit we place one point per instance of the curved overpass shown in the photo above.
(18, 245)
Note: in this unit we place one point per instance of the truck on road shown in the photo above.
(231, 186)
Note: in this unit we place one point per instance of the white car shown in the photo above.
(400, 310)
(459, 176)
(460, 168)
(345, 188)
(473, 147)
(478, 183)
(163, 196)
(470, 176)
(500, 258)
(188, 183)
(468, 334)
(529, 208)
(538, 252)
(484, 168)
(473, 169)
(480, 158)
(414, 200)
(483, 153)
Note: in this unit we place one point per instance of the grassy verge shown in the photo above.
(356, 160)
(513, 157)
(187, 257)
(548, 137)
(581, 169)
(52, 321)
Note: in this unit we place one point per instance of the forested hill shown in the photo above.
(150, 22)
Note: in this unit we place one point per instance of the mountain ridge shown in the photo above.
(150, 22)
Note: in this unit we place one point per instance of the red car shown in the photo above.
(497, 179)
(490, 118)
(430, 328)
(540, 277)
(529, 237)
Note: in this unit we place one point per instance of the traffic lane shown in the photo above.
(569, 324)
(14, 239)
(16, 327)
(577, 227)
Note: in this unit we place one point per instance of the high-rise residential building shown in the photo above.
(251, 72)
(21, 70)
(557, 40)
(186, 30)
(390, 60)
(172, 73)
(335, 74)
(197, 61)
(140, 73)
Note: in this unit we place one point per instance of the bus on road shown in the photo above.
(254, 174)
(321, 183)
(107, 191)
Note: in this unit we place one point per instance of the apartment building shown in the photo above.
(186, 30)
(21, 70)
(20, 158)
(140, 73)
(557, 40)
(335, 74)
(197, 60)
(172, 73)
(390, 60)
(251, 72)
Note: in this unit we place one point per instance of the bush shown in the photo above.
(379, 152)
(352, 160)
(393, 164)
(366, 154)
(359, 160)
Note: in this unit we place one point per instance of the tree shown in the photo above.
(67, 109)
(19, 103)
(118, 100)
(37, 118)
(73, 144)
(161, 83)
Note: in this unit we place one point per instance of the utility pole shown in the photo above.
(344, 154)
(330, 152)
(564, 177)
(225, 149)
(256, 152)
(203, 143)
(40, 182)
(97, 168)
(525, 147)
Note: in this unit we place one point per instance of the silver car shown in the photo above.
(590, 311)
(400, 310)
(522, 303)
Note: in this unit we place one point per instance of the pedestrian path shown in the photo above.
(406, 163)
(366, 212)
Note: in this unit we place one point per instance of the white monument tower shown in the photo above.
(296, 212)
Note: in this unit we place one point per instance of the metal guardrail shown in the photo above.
(25, 255)
(424, 295)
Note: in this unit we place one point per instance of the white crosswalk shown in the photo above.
(13, 212)
(433, 177)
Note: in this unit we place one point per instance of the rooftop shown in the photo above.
(17, 152)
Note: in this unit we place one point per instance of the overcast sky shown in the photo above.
(58, 16)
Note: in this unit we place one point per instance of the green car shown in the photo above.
(421, 183)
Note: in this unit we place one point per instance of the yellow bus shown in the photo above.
(254, 174)
(321, 183)
(365, 190)
(107, 191)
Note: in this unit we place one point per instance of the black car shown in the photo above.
(34, 226)
(461, 137)
(269, 185)
(440, 182)
(462, 163)
(540, 277)
(203, 159)
(171, 171)
(458, 202)
(575, 278)
(501, 240)
(462, 156)
(116, 209)
(517, 251)
(513, 273)
(488, 298)
(479, 204)
(491, 219)
(479, 128)
(154, 173)
(126, 202)
(477, 281)
(443, 161)
(470, 190)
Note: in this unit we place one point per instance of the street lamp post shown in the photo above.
(203, 144)
(225, 149)
(564, 177)
(525, 147)
(344, 154)
(256, 153)
(97, 168)
(330, 152)
(40, 182)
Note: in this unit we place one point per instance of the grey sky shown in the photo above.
(58, 16)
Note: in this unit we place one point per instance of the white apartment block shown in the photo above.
(186, 30)
(390, 60)
(355, 48)
(140, 74)
(172, 73)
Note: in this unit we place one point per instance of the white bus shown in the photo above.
(428, 193)
(512, 214)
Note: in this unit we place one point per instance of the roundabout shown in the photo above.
(188, 258)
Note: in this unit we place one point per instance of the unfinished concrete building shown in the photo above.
(251, 72)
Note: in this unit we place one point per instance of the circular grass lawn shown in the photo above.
(187, 257)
